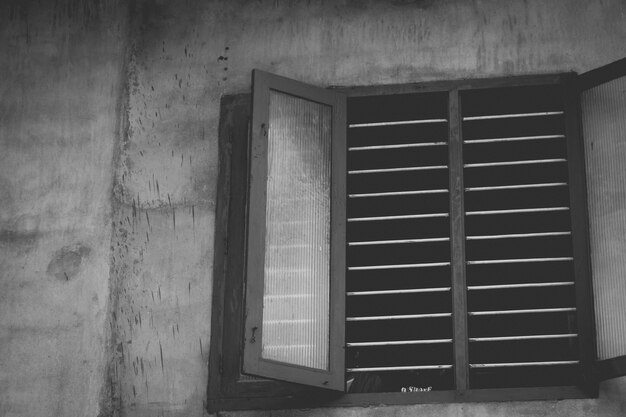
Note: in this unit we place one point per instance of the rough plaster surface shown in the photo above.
(109, 117)
(188, 54)
(61, 72)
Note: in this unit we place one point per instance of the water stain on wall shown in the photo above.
(67, 261)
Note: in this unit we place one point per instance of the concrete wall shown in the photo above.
(61, 73)
(109, 114)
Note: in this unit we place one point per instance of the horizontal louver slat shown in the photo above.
(400, 342)
(399, 368)
(398, 241)
(399, 317)
(403, 169)
(514, 138)
(405, 291)
(500, 365)
(527, 337)
(518, 235)
(399, 122)
(512, 115)
(405, 145)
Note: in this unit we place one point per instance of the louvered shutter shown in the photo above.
(399, 306)
(523, 327)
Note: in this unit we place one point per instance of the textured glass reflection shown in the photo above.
(604, 128)
(297, 242)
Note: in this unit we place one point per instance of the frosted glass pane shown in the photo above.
(297, 241)
(604, 128)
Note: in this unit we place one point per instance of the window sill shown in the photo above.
(398, 398)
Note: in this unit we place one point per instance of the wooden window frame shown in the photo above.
(228, 391)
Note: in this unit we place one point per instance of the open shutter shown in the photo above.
(603, 107)
(295, 288)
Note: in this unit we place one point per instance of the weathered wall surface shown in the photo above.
(188, 54)
(60, 79)
(109, 169)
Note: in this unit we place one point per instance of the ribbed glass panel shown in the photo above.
(297, 242)
(604, 128)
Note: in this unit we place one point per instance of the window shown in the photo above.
(446, 232)
(296, 234)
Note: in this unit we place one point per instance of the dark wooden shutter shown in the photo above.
(295, 284)
(603, 109)
(399, 308)
(521, 256)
